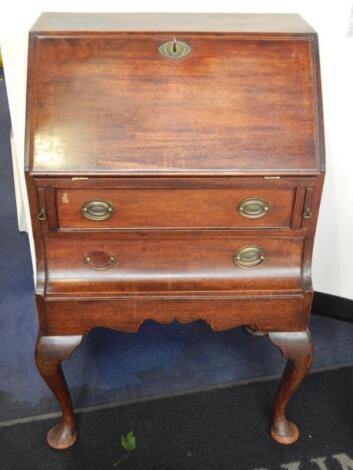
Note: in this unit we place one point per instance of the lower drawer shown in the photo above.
(99, 267)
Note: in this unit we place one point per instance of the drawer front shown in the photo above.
(87, 209)
(96, 267)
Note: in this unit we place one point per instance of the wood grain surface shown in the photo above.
(232, 106)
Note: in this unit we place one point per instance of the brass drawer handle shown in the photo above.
(174, 49)
(250, 256)
(253, 208)
(97, 210)
(99, 260)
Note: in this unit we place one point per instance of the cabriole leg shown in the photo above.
(297, 348)
(50, 352)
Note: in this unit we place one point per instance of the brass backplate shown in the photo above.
(253, 208)
(97, 210)
(249, 256)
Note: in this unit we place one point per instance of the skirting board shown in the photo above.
(332, 306)
(19, 195)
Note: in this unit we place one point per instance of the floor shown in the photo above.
(113, 366)
(200, 431)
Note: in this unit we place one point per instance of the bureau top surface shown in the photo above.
(116, 104)
(172, 22)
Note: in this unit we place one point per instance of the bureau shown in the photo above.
(174, 167)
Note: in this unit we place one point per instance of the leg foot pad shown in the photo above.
(61, 436)
(287, 433)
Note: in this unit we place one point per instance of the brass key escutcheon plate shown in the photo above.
(174, 49)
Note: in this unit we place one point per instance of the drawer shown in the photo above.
(87, 209)
(98, 267)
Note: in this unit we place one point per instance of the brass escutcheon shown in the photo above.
(250, 256)
(253, 208)
(174, 49)
(99, 265)
(97, 210)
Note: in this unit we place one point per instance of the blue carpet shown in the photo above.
(109, 366)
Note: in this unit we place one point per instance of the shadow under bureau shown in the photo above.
(175, 164)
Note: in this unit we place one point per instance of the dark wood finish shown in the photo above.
(297, 348)
(50, 352)
(221, 312)
(172, 148)
(175, 208)
(183, 265)
(155, 115)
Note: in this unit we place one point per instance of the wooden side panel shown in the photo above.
(115, 105)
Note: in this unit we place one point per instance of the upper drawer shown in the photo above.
(252, 207)
(114, 104)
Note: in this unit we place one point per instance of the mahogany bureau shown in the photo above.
(175, 164)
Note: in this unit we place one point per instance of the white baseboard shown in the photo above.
(18, 177)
